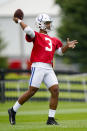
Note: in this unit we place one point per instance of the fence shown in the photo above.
(73, 86)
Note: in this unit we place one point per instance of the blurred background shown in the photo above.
(69, 21)
(17, 50)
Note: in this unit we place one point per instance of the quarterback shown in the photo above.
(41, 58)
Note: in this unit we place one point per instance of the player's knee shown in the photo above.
(55, 91)
(33, 90)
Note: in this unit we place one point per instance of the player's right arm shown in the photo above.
(28, 30)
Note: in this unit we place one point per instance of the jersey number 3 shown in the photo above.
(50, 44)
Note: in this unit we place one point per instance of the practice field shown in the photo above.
(32, 116)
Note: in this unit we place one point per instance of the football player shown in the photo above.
(44, 47)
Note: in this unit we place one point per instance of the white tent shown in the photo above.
(30, 7)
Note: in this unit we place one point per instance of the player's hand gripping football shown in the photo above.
(15, 19)
(71, 44)
(18, 15)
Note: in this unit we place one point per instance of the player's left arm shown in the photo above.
(69, 44)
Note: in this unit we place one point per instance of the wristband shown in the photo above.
(19, 21)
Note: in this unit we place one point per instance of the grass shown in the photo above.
(32, 116)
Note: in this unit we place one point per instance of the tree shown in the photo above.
(3, 60)
(74, 26)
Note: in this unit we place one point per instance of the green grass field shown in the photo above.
(32, 116)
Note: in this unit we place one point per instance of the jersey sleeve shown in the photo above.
(58, 43)
(28, 38)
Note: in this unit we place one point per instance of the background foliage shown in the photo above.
(3, 60)
(74, 26)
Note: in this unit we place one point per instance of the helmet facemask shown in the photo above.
(48, 26)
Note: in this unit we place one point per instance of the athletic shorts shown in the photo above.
(39, 75)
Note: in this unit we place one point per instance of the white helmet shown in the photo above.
(41, 19)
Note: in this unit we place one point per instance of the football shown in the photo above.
(19, 14)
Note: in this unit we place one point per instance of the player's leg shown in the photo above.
(35, 81)
(28, 94)
(52, 84)
(54, 90)
(22, 99)
(53, 104)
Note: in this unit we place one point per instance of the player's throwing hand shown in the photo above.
(15, 19)
(18, 15)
